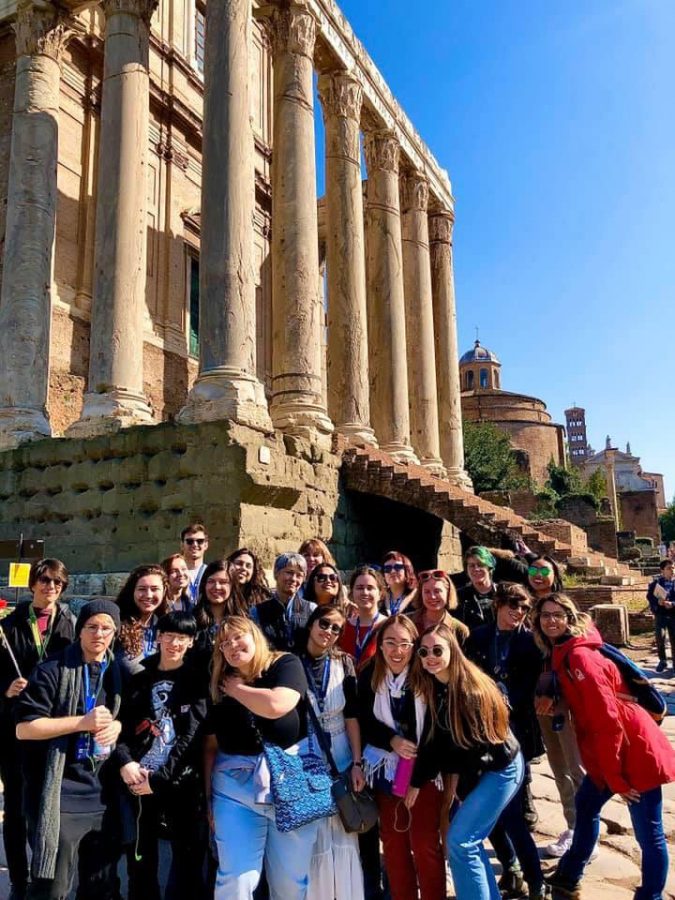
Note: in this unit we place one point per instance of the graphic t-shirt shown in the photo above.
(163, 727)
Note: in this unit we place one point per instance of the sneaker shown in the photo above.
(512, 884)
(662, 666)
(543, 892)
(561, 845)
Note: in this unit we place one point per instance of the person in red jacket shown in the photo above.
(621, 746)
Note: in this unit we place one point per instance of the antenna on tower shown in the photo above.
(477, 333)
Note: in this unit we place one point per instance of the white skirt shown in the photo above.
(335, 872)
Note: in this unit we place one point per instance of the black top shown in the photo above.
(474, 609)
(372, 730)
(232, 724)
(81, 788)
(162, 712)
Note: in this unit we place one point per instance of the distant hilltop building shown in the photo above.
(525, 419)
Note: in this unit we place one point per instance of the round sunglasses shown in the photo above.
(327, 625)
(436, 651)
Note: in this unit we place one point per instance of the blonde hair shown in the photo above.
(477, 711)
(578, 623)
(451, 601)
(263, 657)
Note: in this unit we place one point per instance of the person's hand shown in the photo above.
(96, 719)
(544, 705)
(631, 796)
(405, 749)
(358, 779)
(139, 790)
(15, 688)
(411, 796)
(230, 683)
(131, 774)
(108, 735)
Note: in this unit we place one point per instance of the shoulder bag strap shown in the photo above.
(322, 739)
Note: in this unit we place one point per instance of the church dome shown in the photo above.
(478, 355)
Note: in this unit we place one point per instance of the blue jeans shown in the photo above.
(647, 818)
(523, 843)
(472, 873)
(247, 837)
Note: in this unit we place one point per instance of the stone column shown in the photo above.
(115, 397)
(447, 357)
(227, 386)
(348, 390)
(420, 321)
(25, 302)
(390, 413)
(297, 402)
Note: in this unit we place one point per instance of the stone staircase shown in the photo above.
(371, 471)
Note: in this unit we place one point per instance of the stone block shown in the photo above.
(617, 580)
(611, 621)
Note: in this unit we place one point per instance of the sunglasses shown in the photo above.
(432, 575)
(544, 571)
(514, 604)
(198, 541)
(436, 651)
(327, 625)
(46, 581)
(326, 576)
(388, 568)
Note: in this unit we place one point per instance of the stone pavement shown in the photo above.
(615, 873)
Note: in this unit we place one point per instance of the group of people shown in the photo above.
(153, 715)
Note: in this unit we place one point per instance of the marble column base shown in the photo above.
(434, 465)
(401, 452)
(18, 425)
(459, 477)
(109, 412)
(227, 394)
(359, 435)
(302, 419)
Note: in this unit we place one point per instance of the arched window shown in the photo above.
(484, 378)
(469, 381)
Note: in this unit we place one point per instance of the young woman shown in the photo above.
(474, 606)
(622, 748)
(392, 714)
(466, 738)
(544, 578)
(506, 651)
(315, 552)
(324, 586)
(336, 867)
(176, 570)
(219, 596)
(401, 581)
(255, 692)
(366, 591)
(246, 569)
(439, 600)
(142, 600)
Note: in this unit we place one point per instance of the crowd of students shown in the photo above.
(149, 717)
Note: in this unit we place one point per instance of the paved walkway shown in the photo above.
(615, 873)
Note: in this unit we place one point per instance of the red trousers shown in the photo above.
(411, 840)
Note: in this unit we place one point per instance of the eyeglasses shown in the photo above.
(514, 604)
(553, 616)
(103, 630)
(391, 644)
(326, 576)
(388, 568)
(436, 651)
(47, 581)
(544, 571)
(171, 638)
(327, 625)
(432, 575)
(198, 541)
(226, 644)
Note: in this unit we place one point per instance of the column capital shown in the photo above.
(341, 95)
(382, 151)
(42, 30)
(143, 9)
(294, 30)
(441, 225)
(414, 188)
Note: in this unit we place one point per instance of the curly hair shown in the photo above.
(131, 629)
(578, 622)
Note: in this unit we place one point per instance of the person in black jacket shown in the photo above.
(157, 757)
(506, 651)
(35, 631)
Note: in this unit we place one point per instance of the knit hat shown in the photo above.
(97, 608)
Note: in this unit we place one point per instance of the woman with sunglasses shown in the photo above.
(336, 868)
(392, 714)
(247, 571)
(622, 747)
(366, 591)
(544, 576)
(467, 740)
(506, 651)
(439, 599)
(143, 600)
(324, 586)
(401, 581)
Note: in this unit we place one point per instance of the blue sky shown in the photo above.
(555, 121)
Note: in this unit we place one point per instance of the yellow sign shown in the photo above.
(18, 575)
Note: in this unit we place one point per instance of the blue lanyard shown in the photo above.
(361, 644)
(319, 692)
(395, 605)
(90, 696)
(149, 640)
(500, 658)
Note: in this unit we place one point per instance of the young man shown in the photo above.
(34, 631)
(194, 542)
(285, 613)
(661, 597)
(66, 717)
(158, 759)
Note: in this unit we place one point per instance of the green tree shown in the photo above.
(596, 484)
(563, 481)
(490, 460)
(667, 522)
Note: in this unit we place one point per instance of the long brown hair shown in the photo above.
(380, 666)
(131, 633)
(263, 657)
(477, 711)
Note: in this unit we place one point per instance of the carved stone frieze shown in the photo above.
(440, 227)
(42, 30)
(414, 192)
(144, 9)
(382, 151)
(341, 95)
(294, 30)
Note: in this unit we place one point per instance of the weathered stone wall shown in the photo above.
(602, 536)
(523, 503)
(639, 513)
(567, 533)
(7, 79)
